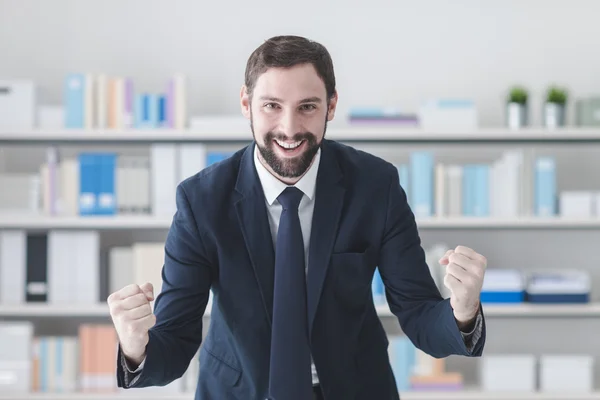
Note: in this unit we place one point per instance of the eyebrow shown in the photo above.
(313, 99)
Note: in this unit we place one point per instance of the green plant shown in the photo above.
(557, 95)
(518, 95)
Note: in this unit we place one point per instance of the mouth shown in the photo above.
(290, 148)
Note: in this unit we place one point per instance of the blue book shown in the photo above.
(403, 361)
(162, 111)
(378, 289)
(152, 105)
(43, 359)
(59, 364)
(482, 191)
(146, 111)
(213, 157)
(545, 187)
(138, 111)
(88, 182)
(422, 183)
(403, 173)
(502, 297)
(74, 97)
(106, 186)
(468, 190)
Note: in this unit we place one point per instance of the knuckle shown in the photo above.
(479, 273)
(139, 299)
(132, 286)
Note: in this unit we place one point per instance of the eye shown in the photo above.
(308, 107)
(271, 105)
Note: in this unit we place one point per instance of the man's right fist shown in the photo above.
(132, 316)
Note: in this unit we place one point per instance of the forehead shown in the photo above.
(294, 83)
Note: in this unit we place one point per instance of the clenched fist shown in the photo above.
(132, 316)
(465, 270)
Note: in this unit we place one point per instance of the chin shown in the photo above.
(292, 161)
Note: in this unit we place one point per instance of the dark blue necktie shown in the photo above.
(290, 370)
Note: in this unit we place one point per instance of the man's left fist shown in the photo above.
(464, 277)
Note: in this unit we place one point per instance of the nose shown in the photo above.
(289, 123)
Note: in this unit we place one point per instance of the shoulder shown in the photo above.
(361, 167)
(214, 181)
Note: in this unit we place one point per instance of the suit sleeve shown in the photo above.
(424, 315)
(179, 307)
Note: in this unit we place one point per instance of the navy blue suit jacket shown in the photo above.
(220, 241)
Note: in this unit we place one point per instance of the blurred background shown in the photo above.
(490, 110)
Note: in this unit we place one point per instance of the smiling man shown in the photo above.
(287, 233)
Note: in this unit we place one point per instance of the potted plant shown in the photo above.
(516, 110)
(555, 107)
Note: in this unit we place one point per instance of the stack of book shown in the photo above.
(98, 101)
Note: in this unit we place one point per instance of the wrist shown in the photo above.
(133, 358)
(465, 321)
(133, 362)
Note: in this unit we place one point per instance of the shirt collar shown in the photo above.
(273, 187)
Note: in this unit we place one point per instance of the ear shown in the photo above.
(332, 105)
(245, 102)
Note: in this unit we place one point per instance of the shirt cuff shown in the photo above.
(471, 338)
(131, 377)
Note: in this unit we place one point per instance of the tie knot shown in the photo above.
(290, 198)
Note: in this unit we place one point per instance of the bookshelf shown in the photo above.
(124, 227)
(35, 221)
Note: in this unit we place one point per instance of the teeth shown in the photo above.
(288, 145)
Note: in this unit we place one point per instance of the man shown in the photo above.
(287, 234)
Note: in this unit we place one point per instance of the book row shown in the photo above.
(62, 267)
(101, 101)
(508, 285)
(517, 184)
(109, 183)
(86, 363)
(82, 363)
(105, 183)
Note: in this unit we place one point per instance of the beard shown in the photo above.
(288, 167)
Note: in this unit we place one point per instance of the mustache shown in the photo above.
(270, 136)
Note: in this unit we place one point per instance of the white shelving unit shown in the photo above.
(528, 310)
(45, 310)
(236, 132)
(491, 310)
(35, 221)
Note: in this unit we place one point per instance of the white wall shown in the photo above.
(385, 52)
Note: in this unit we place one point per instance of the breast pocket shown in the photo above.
(352, 276)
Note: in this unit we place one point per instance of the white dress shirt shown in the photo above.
(272, 188)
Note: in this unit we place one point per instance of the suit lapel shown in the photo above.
(328, 208)
(254, 222)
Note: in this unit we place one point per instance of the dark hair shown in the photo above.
(288, 51)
